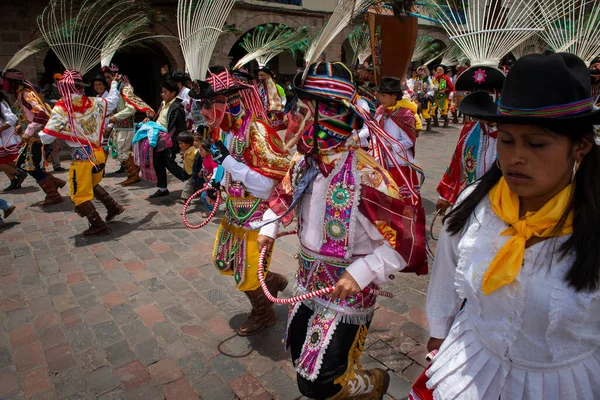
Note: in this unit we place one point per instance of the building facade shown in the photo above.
(18, 27)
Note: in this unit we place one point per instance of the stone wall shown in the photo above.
(18, 27)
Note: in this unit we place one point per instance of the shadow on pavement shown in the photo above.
(119, 228)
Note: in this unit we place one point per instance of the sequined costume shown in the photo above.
(80, 121)
(252, 155)
(351, 220)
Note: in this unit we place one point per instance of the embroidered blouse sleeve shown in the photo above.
(257, 184)
(380, 264)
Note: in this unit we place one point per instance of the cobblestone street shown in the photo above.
(142, 313)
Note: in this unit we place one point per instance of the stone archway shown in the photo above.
(245, 20)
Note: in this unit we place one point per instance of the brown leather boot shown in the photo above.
(59, 183)
(133, 172)
(276, 283)
(52, 195)
(428, 125)
(262, 315)
(446, 121)
(436, 124)
(455, 117)
(97, 226)
(112, 207)
(371, 384)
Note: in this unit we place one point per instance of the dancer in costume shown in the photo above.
(350, 216)
(424, 94)
(10, 145)
(399, 118)
(33, 114)
(121, 125)
(252, 155)
(80, 121)
(443, 88)
(271, 98)
(475, 151)
(515, 290)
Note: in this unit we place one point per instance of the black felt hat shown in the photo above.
(480, 78)
(390, 84)
(552, 91)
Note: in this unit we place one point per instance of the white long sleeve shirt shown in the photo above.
(112, 100)
(258, 185)
(377, 259)
(535, 338)
(394, 131)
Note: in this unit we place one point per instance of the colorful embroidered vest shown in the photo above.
(241, 207)
(324, 268)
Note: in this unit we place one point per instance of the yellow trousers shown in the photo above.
(426, 111)
(442, 105)
(83, 175)
(236, 254)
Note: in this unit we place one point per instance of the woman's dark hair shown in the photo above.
(170, 86)
(205, 144)
(584, 274)
(186, 137)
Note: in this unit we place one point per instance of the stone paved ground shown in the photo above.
(142, 314)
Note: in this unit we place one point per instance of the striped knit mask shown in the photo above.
(331, 127)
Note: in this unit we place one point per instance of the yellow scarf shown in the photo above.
(506, 265)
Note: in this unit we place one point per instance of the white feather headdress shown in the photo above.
(266, 42)
(424, 47)
(200, 22)
(571, 26)
(77, 31)
(486, 30)
(533, 45)
(360, 41)
(452, 56)
(27, 51)
(341, 17)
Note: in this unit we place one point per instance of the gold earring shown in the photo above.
(498, 164)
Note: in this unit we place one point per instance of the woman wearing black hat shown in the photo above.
(522, 247)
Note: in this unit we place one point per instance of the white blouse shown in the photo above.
(535, 338)
(7, 137)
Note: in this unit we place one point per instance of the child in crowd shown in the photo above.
(208, 168)
(189, 153)
(171, 116)
(7, 209)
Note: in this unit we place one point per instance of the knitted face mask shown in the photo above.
(332, 127)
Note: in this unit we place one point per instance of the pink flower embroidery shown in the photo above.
(479, 76)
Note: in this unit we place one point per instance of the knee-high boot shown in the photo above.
(263, 314)
(133, 172)
(371, 384)
(112, 207)
(52, 195)
(97, 226)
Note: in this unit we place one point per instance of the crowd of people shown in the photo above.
(515, 289)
